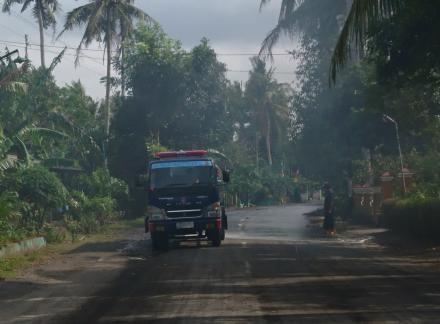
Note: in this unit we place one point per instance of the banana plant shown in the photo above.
(16, 145)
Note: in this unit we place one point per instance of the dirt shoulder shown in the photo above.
(21, 264)
(64, 276)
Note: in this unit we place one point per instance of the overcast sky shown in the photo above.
(232, 26)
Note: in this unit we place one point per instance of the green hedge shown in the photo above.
(418, 217)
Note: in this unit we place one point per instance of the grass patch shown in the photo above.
(11, 266)
(126, 224)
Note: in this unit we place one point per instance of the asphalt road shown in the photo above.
(274, 267)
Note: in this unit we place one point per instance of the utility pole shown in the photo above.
(8, 54)
(388, 118)
(26, 41)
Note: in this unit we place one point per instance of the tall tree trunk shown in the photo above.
(268, 138)
(107, 89)
(256, 152)
(41, 27)
(122, 70)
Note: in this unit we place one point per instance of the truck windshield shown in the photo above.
(179, 174)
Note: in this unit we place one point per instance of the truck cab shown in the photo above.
(184, 196)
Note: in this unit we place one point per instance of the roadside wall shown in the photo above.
(22, 247)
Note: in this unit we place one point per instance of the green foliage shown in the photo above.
(202, 120)
(103, 19)
(101, 208)
(398, 75)
(263, 188)
(154, 148)
(101, 184)
(426, 178)
(107, 22)
(88, 215)
(415, 216)
(10, 217)
(54, 233)
(269, 107)
(40, 192)
(40, 187)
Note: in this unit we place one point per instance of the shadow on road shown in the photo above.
(302, 278)
(264, 282)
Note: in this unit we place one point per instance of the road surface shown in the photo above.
(274, 267)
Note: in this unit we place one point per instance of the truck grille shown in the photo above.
(184, 213)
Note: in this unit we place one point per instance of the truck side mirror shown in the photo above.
(226, 176)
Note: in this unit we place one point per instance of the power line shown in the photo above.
(47, 34)
(56, 53)
(253, 54)
(31, 23)
(247, 71)
(102, 50)
(59, 47)
(95, 61)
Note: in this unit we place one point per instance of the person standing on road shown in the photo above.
(329, 208)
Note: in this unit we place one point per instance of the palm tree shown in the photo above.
(361, 15)
(43, 11)
(269, 102)
(106, 21)
(125, 33)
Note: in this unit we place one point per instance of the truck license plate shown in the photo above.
(185, 225)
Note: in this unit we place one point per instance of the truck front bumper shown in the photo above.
(188, 226)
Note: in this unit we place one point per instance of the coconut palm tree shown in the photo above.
(126, 31)
(106, 22)
(269, 102)
(43, 11)
(361, 15)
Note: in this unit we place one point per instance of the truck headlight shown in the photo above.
(214, 209)
(156, 213)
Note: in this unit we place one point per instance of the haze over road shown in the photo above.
(273, 268)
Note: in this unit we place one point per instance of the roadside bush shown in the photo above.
(10, 218)
(10, 208)
(88, 215)
(40, 194)
(54, 233)
(419, 217)
(262, 188)
(102, 208)
(101, 184)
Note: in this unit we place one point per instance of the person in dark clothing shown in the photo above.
(329, 208)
